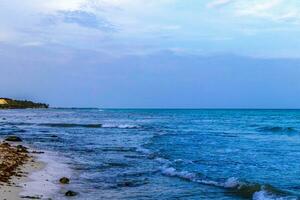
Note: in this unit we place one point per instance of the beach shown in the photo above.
(17, 162)
(16, 187)
(26, 173)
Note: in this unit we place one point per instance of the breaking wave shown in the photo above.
(72, 125)
(122, 126)
(248, 190)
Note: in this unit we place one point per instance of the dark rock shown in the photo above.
(64, 180)
(13, 138)
(6, 144)
(21, 148)
(30, 197)
(37, 152)
(70, 193)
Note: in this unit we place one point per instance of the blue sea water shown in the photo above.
(168, 154)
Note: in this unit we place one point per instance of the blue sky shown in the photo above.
(150, 53)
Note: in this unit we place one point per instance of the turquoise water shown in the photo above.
(169, 154)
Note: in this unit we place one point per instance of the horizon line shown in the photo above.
(171, 108)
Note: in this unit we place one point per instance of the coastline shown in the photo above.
(44, 182)
(14, 189)
(36, 178)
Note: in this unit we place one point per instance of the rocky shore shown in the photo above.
(18, 165)
(11, 159)
(16, 162)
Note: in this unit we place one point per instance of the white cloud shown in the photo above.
(273, 10)
(257, 8)
(139, 26)
(218, 3)
(50, 21)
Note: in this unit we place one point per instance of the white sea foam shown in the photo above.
(231, 183)
(45, 182)
(264, 195)
(209, 182)
(170, 171)
(124, 126)
(183, 161)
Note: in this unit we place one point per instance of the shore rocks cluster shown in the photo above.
(69, 193)
(11, 158)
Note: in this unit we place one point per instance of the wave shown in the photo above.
(121, 126)
(264, 195)
(244, 189)
(248, 190)
(16, 123)
(170, 171)
(70, 125)
(73, 125)
(253, 190)
(277, 129)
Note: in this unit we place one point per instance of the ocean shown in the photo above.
(149, 154)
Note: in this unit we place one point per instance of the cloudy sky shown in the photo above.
(152, 53)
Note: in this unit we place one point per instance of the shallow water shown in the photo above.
(168, 154)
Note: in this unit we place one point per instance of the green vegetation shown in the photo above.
(6, 103)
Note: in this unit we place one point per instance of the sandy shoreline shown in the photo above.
(13, 190)
(19, 166)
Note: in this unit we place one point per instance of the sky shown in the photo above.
(151, 53)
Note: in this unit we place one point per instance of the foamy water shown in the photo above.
(45, 182)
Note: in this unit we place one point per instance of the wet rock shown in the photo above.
(64, 180)
(5, 144)
(70, 193)
(37, 152)
(21, 148)
(30, 197)
(13, 138)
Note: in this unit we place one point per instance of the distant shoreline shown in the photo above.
(7, 103)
